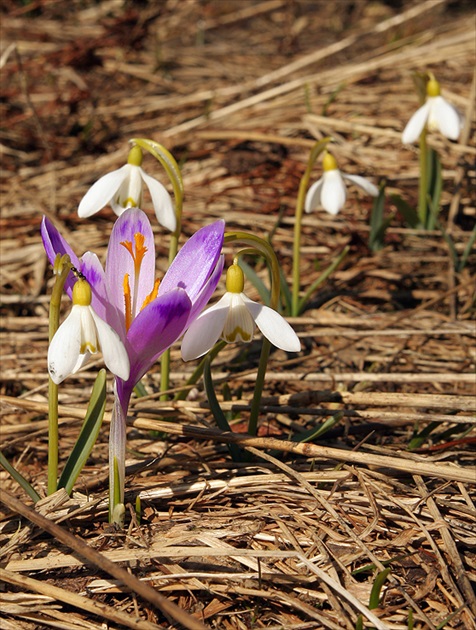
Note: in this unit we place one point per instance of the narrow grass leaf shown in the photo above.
(376, 220)
(379, 581)
(435, 187)
(286, 296)
(255, 280)
(19, 478)
(236, 453)
(467, 250)
(451, 247)
(316, 432)
(421, 437)
(321, 279)
(88, 435)
(409, 214)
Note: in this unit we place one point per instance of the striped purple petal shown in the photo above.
(195, 262)
(132, 227)
(154, 330)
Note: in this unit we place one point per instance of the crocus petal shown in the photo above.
(93, 271)
(119, 261)
(101, 192)
(363, 183)
(446, 118)
(162, 202)
(313, 196)
(333, 192)
(55, 244)
(112, 348)
(416, 124)
(195, 262)
(155, 329)
(65, 346)
(273, 326)
(205, 330)
(207, 291)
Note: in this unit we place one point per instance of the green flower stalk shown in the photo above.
(62, 267)
(172, 169)
(303, 186)
(434, 114)
(235, 317)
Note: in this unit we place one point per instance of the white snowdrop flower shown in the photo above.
(234, 318)
(330, 190)
(81, 334)
(123, 188)
(436, 114)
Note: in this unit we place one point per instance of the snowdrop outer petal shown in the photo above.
(63, 353)
(101, 192)
(313, 196)
(333, 193)
(363, 183)
(417, 122)
(205, 330)
(447, 118)
(129, 194)
(162, 202)
(273, 326)
(112, 348)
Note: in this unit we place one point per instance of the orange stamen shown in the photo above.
(152, 295)
(127, 301)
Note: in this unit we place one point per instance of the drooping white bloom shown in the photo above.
(437, 114)
(84, 333)
(123, 188)
(234, 318)
(330, 191)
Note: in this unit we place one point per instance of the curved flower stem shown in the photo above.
(62, 267)
(173, 171)
(423, 183)
(303, 186)
(258, 244)
(263, 247)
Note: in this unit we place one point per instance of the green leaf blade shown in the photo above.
(88, 435)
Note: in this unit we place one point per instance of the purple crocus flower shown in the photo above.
(147, 315)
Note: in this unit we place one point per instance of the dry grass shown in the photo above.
(294, 539)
